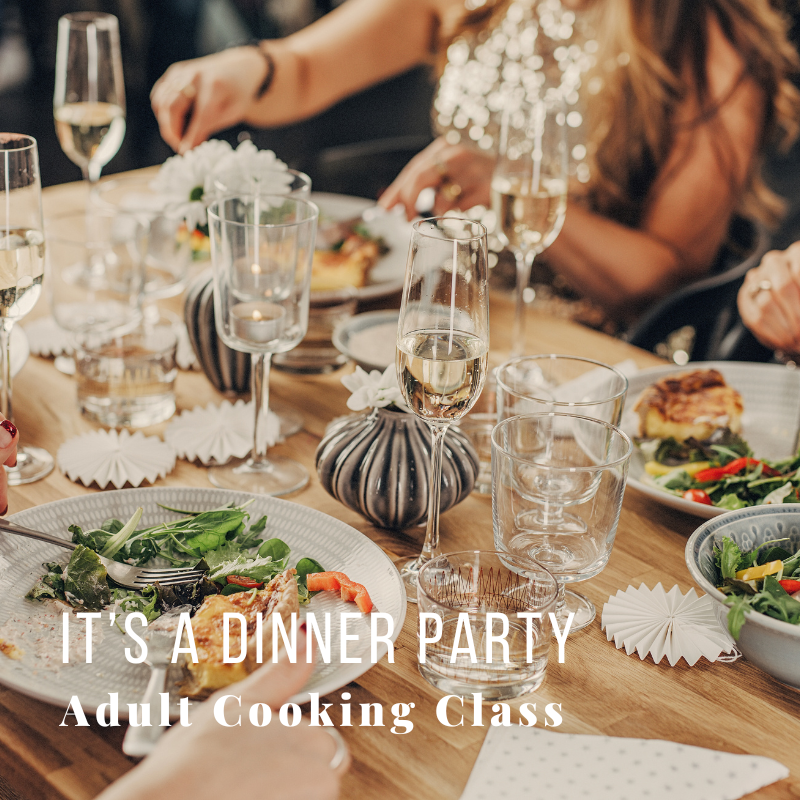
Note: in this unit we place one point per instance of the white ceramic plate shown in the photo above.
(387, 276)
(372, 353)
(308, 532)
(771, 396)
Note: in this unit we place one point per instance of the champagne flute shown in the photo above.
(529, 189)
(262, 248)
(21, 273)
(89, 97)
(442, 344)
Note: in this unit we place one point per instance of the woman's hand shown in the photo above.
(769, 300)
(9, 437)
(460, 175)
(207, 760)
(196, 98)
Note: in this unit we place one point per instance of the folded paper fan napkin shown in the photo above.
(104, 457)
(46, 338)
(215, 434)
(563, 766)
(667, 624)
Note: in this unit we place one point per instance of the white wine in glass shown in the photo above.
(442, 345)
(89, 98)
(529, 190)
(21, 272)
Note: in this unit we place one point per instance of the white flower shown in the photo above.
(247, 169)
(373, 390)
(181, 176)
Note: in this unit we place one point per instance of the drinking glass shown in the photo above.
(557, 487)
(569, 384)
(442, 344)
(89, 97)
(476, 584)
(262, 247)
(529, 189)
(21, 272)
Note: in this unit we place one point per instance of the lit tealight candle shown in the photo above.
(257, 322)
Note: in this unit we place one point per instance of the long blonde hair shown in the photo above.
(631, 120)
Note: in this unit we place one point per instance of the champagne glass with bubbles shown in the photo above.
(21, 273)
(529, 188)
(89, 97)
(442, 344)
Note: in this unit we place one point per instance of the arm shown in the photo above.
(355, 46)
(689, 208)
(769, 300)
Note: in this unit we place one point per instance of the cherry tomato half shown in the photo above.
(697, 496)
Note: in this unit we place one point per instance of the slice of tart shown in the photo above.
(279, 596)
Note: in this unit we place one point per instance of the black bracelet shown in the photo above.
(267, 82)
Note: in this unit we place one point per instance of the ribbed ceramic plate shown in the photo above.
(308, 532)
(771, 396)
(387, 276)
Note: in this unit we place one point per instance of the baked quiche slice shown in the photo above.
(279, 596)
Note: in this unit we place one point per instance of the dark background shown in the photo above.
(356, 147)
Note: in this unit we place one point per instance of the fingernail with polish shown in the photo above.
(8, 432)
(4, 511)
(303, 626)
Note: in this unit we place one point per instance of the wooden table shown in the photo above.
(732, 707)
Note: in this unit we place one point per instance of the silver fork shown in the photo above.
(124, 575)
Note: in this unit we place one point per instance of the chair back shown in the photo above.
(693, 322)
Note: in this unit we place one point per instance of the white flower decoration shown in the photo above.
(188, 180)
(373, 390)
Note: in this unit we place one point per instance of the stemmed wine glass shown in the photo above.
(529, 189)
(89, 97)
(262, 247)
(442, 344)
(21, 273)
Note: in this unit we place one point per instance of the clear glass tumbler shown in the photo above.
(481, 644)
(568, 384)
(557, 487)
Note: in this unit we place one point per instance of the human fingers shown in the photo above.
(202, 119)
(172, 101)
(760, 312)
(784, 290)
(9, 438)
(425, 169)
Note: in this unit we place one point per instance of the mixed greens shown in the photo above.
(217, 541)
(720, 471)
(766, 579)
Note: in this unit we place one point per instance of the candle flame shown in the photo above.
(255, 269)
(257, 315)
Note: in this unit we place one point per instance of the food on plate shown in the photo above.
(690, 425)
(348, 262)
(210, 673)
(765, 579)
(690, 405)
(339, 582)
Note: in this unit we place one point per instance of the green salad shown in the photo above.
(234, 556)
(720, 471)
(766, 579)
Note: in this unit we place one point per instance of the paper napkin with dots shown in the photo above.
(529, 762)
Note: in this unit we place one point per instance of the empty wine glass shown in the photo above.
(262, 248)
(529, 188)
(89, 97)
(21, 274)
(442, 344)
(557, 487)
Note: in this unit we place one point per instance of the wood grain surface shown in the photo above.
(732, 707)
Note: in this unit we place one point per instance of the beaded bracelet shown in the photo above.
(267, 82)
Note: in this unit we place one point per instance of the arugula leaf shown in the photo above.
(50, 585)
(259, 525)
(730, 502)
(776, 602)
(85, 581)
(738, 606)
(677, 480)
(772, 554)
(730, 557)
(259, 569)
(117, 541)
(305, 567)
(144, 602)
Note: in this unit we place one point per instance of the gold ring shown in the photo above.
(450, 191)
(761, 286)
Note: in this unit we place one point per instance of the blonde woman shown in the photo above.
(689, 92)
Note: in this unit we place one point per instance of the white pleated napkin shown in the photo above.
(664, 623)
(104, 457)
(530, 762)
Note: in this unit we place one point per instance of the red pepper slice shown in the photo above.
(733, 468)
(245, 583)
(350, 591)
(791, 586)
(697, 496)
